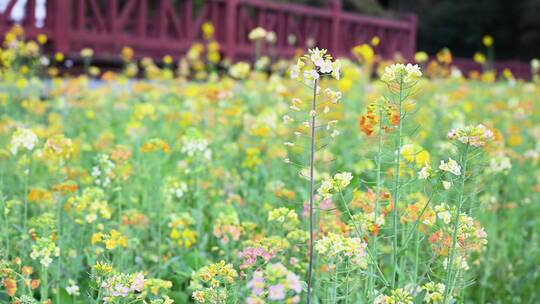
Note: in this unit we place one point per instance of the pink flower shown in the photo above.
(276, 292)
(138, 282)
(326, 204)
(295, 299)
(293, 282)
(251, 254)
(257, 283)
(293, 261)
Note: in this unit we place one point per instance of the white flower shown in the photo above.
(424, 172)
(73, 289)
(535, 64)
(334, 96)
(317, 56)
(381, 299)
(452, 166)
(257, 33)
(445, 216)
(46, 261)
(24, 138)
(239, 70)
(287, 119)
(342, 179)
(326, 67)
(446, 185)
(406, 74)
(336, 66)
(90, 217)
(295, 71)
(325, 190)
(413, 73)
(310, 76)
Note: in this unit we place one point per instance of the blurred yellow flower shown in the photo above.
(42, 38)
(479, 58)
(487, 40)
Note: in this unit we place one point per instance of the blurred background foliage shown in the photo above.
(460, 24)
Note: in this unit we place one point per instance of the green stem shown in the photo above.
(377, 197)
(347, 283)
(160, 221)
(311, 192)
(25, 221)
(6, 225)
(44, 290)
(359, 235)
(416, 258)
(336, 282)
(396, 190)
(59, 238)
(461, 200)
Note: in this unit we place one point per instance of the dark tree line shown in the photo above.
(461, 24)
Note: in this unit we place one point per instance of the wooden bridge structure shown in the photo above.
(156, 28)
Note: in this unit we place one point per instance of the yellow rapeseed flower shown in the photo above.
(487, 40)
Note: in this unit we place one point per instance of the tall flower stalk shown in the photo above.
(312, 66)
(311, 190)
(397, 173)
(461, 200)
(470, 138)
(400, 79)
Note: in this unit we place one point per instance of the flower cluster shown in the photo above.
(415, 154)
(402, 74)
(103, 171)
(117, 287)
(239, 70)
(112, 240)
(285, 217)
(155, 145)
(59, 146)
(23, 138)
(193, 145)
(330, 185)
(434, 292)
(250, 255)
(470, 234)
(396, 296)
(174, 188)
(181, 230)
(274, 283)
(340, 248)
(90, 205)
(44, 249)
(123, 286)
(451, 166)
(227, 226)
(315, 64)
(211, 283)
(476, 136)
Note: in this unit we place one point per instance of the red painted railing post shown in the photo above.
(61, 17)
(188, 17)
(335, 34)
(230, 41)
(413, 21)
(112, 16)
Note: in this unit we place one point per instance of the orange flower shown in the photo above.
(11, 286)
(27, 270)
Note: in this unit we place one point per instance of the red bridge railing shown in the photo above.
(158, 27)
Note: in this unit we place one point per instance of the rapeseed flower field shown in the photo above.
(308, 180)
